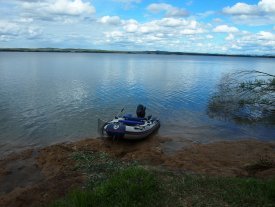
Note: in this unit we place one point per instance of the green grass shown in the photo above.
(219, 191)
(131, 187)
(126, 184)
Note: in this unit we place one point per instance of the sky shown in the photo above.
(204, 26)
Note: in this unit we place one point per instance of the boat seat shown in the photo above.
(131, 122)
(129, 117)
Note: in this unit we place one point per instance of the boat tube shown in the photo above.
(130, 127)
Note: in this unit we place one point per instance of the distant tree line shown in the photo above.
(158, 52)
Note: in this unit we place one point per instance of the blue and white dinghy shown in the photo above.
(130, 127)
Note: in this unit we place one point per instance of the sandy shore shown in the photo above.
(37, 176)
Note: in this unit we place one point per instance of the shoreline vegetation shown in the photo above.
(244, 97)
(96, 172)
(74, 50)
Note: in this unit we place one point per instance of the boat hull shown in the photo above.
(141, 135)
(115, 130)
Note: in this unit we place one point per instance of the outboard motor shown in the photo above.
(140, 111)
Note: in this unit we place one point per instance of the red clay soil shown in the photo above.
(37, 176)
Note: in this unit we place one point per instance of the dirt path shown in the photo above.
(38, 176)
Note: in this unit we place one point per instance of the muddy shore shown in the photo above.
(37, 176)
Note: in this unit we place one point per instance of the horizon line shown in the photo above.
(158, 52)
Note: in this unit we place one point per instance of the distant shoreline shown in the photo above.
(73, 50)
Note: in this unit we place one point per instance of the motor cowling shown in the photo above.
(141, 111)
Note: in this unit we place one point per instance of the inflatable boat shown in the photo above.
(130, 127)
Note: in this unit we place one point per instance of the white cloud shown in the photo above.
(174, 26)
(262, 13)
(254, 20)
(262, 42)
(230, 37)
(114, 34)
(53, 10)
(4, 38)
(217, 20)
(241, 8)
(113, 20)
(204, 14)
(170, 11)
(128, 4)
(263, 35)
(165, 34)
(187, 35)
(9, 28)
(177, 23)
(267, 6)
(191, 31)
(25, 20)
(236, 47)
(149, 27)
(33, 32)
(68, 7)
(130, 26)
(225, 28)
(162, 27)
(170, 22)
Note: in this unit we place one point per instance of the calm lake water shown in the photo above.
(47, 98)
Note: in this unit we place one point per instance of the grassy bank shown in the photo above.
(112, 182)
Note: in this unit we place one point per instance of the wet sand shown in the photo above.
(37, 176)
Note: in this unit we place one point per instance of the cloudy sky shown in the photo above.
(213, 26)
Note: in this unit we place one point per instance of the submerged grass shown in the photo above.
(98, 166)
(263, 163)
(116, 183)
